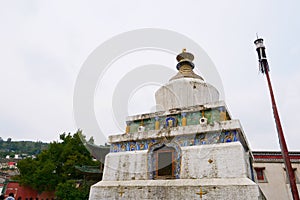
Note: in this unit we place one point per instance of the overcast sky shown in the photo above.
(43, 45)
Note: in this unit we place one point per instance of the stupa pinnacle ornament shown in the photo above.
(185, 57)
(185, 66)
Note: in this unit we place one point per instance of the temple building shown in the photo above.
(271, 174)
(190, 148)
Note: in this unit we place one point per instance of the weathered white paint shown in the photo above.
(225, 189)
(219, 168)
(205, 161)
(130, 165)
(214, 161)
(185, 92)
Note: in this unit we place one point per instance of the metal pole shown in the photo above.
(264, 68)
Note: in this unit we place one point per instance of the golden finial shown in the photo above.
(185, 65)
(185, 56)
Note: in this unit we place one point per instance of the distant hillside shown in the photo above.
(22, 148)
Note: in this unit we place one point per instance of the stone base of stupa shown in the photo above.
(231, 189)
(220, 171)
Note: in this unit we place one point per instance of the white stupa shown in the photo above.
(189, 149)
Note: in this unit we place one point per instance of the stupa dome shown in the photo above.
(186, 88)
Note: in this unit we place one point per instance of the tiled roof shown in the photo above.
(274, 156)
(98, 152)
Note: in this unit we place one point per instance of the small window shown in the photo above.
(165, 164)
(260, 174)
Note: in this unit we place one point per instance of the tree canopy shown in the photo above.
(53, 168)
(22, 148)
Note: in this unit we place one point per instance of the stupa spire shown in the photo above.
(185, 66)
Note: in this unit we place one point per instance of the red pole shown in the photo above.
(284, 149)
(264, 68)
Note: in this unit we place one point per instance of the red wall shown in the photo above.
(26, 192)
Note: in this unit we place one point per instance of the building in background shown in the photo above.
(271, 175)
(23, 192)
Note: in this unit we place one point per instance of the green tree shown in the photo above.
(70, 190)
(56, 165)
